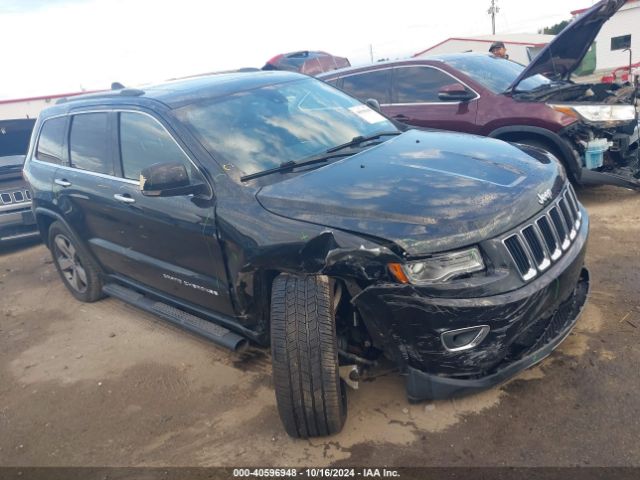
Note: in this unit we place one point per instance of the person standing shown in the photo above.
(498, 49)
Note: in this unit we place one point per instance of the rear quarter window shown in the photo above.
(368, 85)
(51, 140)
(333, 82)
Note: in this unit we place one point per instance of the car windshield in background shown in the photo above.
(259, 129)
(496, 74)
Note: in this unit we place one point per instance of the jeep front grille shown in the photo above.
(543, 241)
(17, 196)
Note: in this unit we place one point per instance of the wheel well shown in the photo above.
(522, 137)
(44, 223)
(349, 323)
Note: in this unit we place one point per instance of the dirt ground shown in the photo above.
(106, 384)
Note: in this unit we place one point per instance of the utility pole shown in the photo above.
(493, 10)
(371, 52)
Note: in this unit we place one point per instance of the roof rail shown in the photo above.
(125, 92)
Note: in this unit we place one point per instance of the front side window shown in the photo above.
(143, 142)
(89, 143)
(51, 140)
(369, 85)
(419, 84)
(262, 128)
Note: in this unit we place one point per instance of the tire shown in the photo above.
(310, 395)
(78, 271)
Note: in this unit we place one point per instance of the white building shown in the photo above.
(14, 109)
(521, 47)
(620, 32)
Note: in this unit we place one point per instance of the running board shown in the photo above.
(211, 331)
(592, 177)
(19, 236)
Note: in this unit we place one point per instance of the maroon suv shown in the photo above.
(591, 128)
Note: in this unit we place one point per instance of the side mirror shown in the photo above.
(455, 92)
(373, 103)
(167, 180)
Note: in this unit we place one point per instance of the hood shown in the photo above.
(563, 55)
(425, 191)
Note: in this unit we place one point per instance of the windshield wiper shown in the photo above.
(360, 139)
(285, 166)
(323, 157)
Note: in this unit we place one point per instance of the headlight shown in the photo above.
(438, 268)
(599, 113)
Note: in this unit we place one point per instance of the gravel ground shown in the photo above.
(106, 384)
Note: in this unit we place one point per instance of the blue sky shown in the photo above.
(59, 46)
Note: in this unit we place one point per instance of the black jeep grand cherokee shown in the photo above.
(269, 207)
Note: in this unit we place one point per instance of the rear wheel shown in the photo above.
(310, 395)
(78, 271)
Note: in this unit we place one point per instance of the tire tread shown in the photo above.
(305, 362)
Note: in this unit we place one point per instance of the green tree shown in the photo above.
(554, 29)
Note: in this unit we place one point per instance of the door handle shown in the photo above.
(400, 117)
(63, 182)
(124, 198)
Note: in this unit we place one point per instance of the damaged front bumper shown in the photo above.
(525, 325)
(616, 162)
(425, 386)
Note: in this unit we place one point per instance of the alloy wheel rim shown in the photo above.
(69, 264)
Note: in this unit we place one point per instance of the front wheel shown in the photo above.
(310, 395)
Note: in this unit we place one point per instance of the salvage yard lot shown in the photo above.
(106, 384)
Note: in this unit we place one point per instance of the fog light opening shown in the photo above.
(464, 338)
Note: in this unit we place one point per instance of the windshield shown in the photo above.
(495, 73)
(263, 128)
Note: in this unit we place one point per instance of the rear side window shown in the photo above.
(89, 143)
(143, 142)
(369, 85)
(419, 84)
(51, 140)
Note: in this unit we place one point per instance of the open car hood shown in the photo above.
(12, 161)
(11, 166)
(563, 55)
